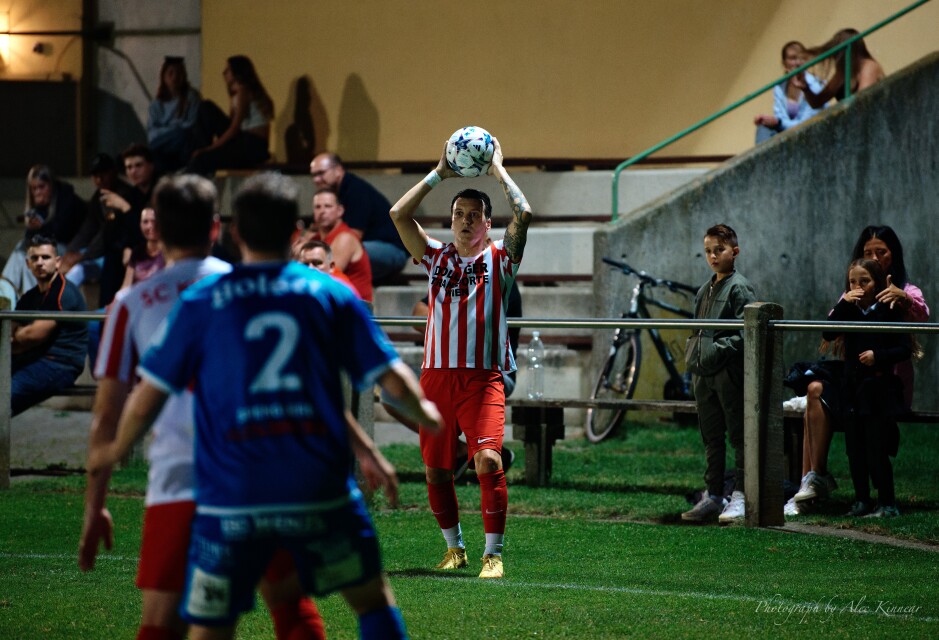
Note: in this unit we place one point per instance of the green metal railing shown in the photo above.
(678, 136)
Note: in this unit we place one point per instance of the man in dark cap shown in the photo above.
(97, 247)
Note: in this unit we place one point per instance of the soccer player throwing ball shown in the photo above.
(466, 347)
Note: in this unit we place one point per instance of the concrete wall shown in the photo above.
(604, 78)
(798, 204)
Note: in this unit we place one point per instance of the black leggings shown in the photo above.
(869, 441)
(244, 151)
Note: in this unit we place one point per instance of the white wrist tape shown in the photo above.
(432, 179)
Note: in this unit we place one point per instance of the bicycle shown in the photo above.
(620, 372)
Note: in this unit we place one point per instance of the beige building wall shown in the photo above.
(552, 78)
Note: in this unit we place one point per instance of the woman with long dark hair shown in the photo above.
(880, 244)
(238, 140)
(865, 71)
(172, 116)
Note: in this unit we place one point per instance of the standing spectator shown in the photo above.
(366, 212)
(98, 245)
(865, 71)
(349, 256)
(715, 358)
(789, 105)
(48, 355)
(240, 139)
(272, 437)
(873, 393)
(823, 410)
(172, 116)
(467, 348)
(53, 211)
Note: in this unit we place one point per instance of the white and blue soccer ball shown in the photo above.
(469, 151)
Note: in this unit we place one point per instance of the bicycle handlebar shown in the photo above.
(677, 287)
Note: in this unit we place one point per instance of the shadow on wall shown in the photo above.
(358, 122)
(119, 127)
(307, 129)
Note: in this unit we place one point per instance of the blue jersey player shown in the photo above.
(262, 349)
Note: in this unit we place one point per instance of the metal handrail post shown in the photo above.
(847, 71)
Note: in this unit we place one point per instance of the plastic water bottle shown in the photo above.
(535, 367)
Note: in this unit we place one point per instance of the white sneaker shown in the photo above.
(791, 508)
(807, 488)
(735, 509)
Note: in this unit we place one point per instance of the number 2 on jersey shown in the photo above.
(271, 378)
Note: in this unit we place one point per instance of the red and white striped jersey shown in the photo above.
(134, 318)
(468, 297)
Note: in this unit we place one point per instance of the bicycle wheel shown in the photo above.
(617, 382)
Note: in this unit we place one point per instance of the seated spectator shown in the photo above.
(240, 139)
(172, 116)
(316, 254)
(789, 105)
(96, 251)
(52, 210)
(823, 409)
(141, 173)
(349, 254)
(146, 258)
(865, 71)
(367, 213)
(48, 355)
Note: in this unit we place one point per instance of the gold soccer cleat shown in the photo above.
(454, 558)
(492, 567)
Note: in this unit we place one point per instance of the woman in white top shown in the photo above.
(238, 140)
(789, 104)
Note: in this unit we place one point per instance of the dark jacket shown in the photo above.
(711, 350)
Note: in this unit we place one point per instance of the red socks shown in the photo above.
(149, 632)
(494, 498)
(298, 621)
(443, 503)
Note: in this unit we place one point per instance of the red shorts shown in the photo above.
(165, 546)
(471, 401)
(164, 549)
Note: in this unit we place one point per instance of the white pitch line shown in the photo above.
(60, 556)
(871, 609)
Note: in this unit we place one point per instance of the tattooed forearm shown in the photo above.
(517, 232)
(515, 197)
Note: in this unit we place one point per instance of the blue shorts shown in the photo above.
(333, 549)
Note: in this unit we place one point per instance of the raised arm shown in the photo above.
(402, 212)
(516, 234)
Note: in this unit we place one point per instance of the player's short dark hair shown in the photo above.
(138, 149)
(474, 194)
(185, 208)
(265, 212)
(723, 232)
(40, 241)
